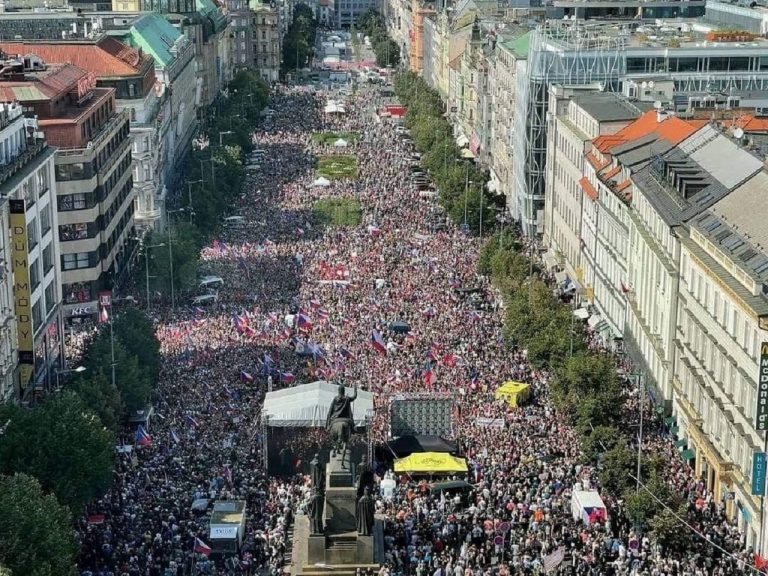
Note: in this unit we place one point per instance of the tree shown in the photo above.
(72, 453)
(387, 53)
(598, 440)
(98, 393)
(36, 536)
(667, 532)
(617, 464)
(587, 388)
(299, 38)
(132, 382)
(136, 332)
(186, 241)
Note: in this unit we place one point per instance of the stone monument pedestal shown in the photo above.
(341, 550)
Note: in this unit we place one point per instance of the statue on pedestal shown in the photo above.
(365, 513)
(340, 421)
(316, 473)
(364, 478)
(315, 512)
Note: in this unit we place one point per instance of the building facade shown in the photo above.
(267, 40)
(93, 175)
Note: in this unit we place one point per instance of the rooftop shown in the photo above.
(155, 35)
(104, 57)
(611, 34)
(607, 106)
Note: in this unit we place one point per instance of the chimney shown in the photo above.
(661, 115)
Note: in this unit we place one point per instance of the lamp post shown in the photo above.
(77, 370)
(222, 133)
(146, 265)
(189, 192)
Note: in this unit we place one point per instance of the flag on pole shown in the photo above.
(304, 323)
(202, 548)
(104, 315)
(174, 436)
(246, 377)
(429, 377)
(142, 438)
(378, 342)
(287, 378)
(191, 420)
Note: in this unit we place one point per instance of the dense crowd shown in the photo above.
(290, 286)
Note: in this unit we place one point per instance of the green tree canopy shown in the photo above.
(36, 535)
(587, 388)
(298, 44)
(387, 53)
(71, 452)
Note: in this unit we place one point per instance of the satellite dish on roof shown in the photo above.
(738, 133)
(644, 85)
(651, 84)
(657, 104)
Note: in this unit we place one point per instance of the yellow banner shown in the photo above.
(22, 293)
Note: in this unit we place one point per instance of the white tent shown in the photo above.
(340, 143)
(307, 405)
(334, 107)
(321, 182)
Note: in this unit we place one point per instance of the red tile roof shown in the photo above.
(105, 57)
(597, 164)
(611, 173)
(672, 129)
(748, 123)
(589, 190)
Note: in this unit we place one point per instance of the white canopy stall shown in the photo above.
(321, 181)
(307, 405)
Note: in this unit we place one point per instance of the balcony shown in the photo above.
(34, 147)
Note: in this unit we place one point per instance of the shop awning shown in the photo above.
(581, 313)
(682, 443)
(431, 463)
(550, 260)
(462, 141)
(467, 153)
(689, 455)
(670, 420)
(561, 277)
(594, 320)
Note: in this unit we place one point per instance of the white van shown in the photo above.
(211, 282)
(205, 299)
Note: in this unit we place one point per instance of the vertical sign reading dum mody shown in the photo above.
(22, 295)
(762, 389)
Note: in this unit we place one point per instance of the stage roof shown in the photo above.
(306, 405)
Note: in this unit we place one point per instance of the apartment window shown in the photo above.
(34, 275)
(47, 259)
(75, 261)
(146, 144)
(45, 219)
(42, 180)
(66, 172)
(50, 296)
(263, 34)
(131, 90)
(32, 234)
(37, 314)
(68, 232)
(72, 202)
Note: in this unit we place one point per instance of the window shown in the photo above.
(75, 261)
(50, 296)
(32, 234)
(37, 314)
(47, 259)
(77, 292)
(45, 219)
(34, 275)
(147, 173)
(131, 90)
(68, 232)
(42, 180)
(66, 172)
(72, 202)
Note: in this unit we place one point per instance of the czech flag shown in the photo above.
(378, 342)
(345, 353)
(202, 548)
(304, 323)
(287, 378)
(429, 377)
(314, 304)
(142, 438)
(474, 315)
(374, 230)
(246, 377)
(322, 314)
(451, 360)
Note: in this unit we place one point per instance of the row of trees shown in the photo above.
(585, 387)
(214, 178)
(462, 184)
(387, 50)
(58, 456)
(299, 41)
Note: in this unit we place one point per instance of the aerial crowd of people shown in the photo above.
(291, 285)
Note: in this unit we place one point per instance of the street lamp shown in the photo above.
(146, 265)
(222, 133)
(77, 370)
(189, 192)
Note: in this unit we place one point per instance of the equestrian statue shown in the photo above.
(340, 422)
